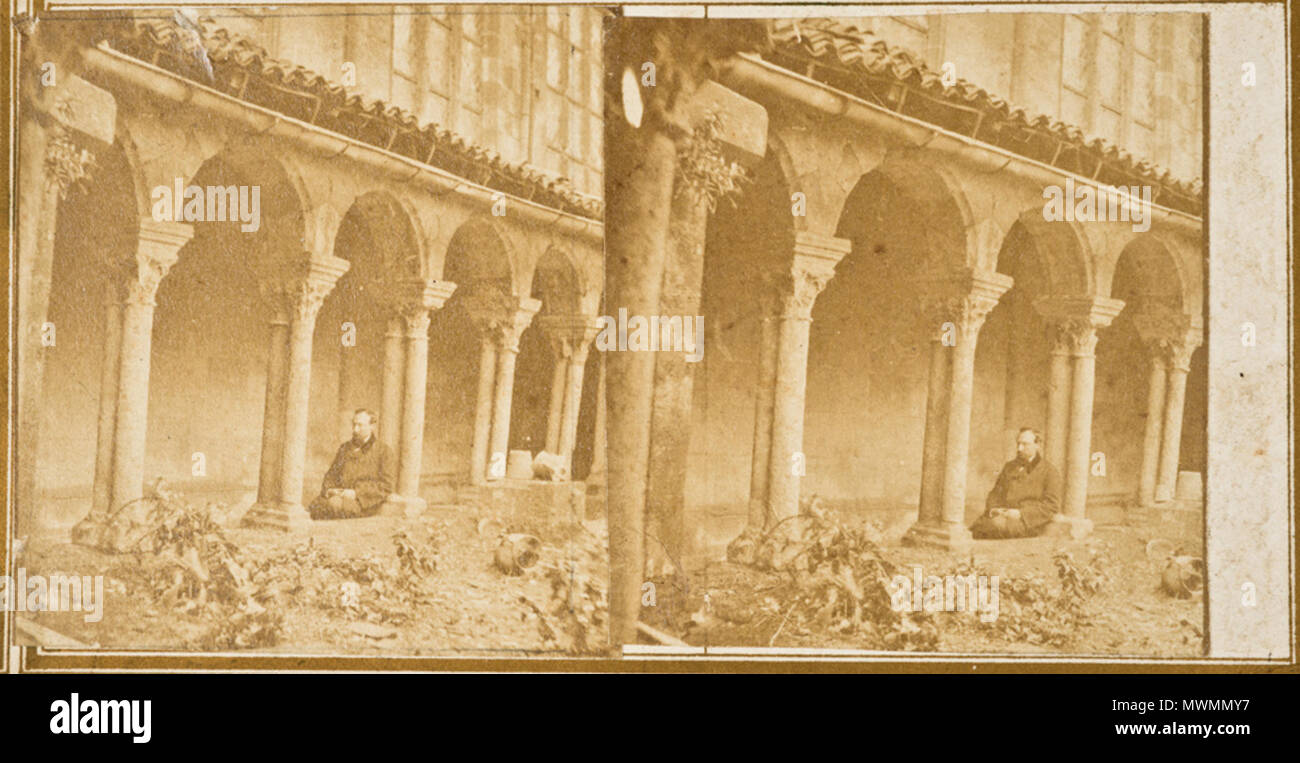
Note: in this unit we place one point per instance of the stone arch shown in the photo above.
(1057, 248)
(1149, 272)
(378, 236)
(916, 208)
(482, 252)
(1162, 310)
(557, 280)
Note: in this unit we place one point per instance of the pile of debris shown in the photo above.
(184, 562)
(1033, 611)
(836, 579)
(574, 617)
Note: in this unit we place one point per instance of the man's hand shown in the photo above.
(348, 493)
(1011, 514)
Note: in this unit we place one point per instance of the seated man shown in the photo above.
(1026, 496)
(361, 477)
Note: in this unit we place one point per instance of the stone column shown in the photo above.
(815, 258)
(1155, 422)
(1180, 358)
(421, 298)
(764, 391)
(348, 363)
(559, 381)
(110, 366)
(1077, 320)
(159, 246)
(596, 475)
(487, 374)
(1079, 446)
(277, 367)
(305, 294)
(955, 306)
(930, 504)
(513, 320)
(390, 396)
(1058, 402)
(584, 330)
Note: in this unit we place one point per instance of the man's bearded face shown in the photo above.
(362, 428)
(1026, 447)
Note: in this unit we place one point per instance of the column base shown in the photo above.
(284, 517)
(401, 506)
(951, 536)
(1061, 526)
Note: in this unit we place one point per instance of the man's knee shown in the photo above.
(328, 507)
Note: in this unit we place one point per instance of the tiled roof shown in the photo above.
(842, 55)
(231, 63)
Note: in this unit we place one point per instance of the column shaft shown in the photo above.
(483, 411)
(572, 407)
(764, 395)
(347, 402)
(110, 366)
(787, 416)
(132, 402)
(596, 475)
(1173, 433)
(1058, 409)
(556, 411)
(499, 444)
(930, 509)
(1154, 431)
(390, 400)
(1078, 453)
(277, 365)
(417, 368)
(957, 441)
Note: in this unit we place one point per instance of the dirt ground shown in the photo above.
(468, 603)
(1128, 615)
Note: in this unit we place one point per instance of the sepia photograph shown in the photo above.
(951, 389)
(623, 338)
(307, 300)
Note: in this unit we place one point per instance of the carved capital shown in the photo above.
(307, 284)
(570, 335)
(954, 307)
(811, 268)
(1074, 321)
(1170, 335)
(157, 249)
(1077, 337)
(415, 300)
(500, 317)
(417, 322)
